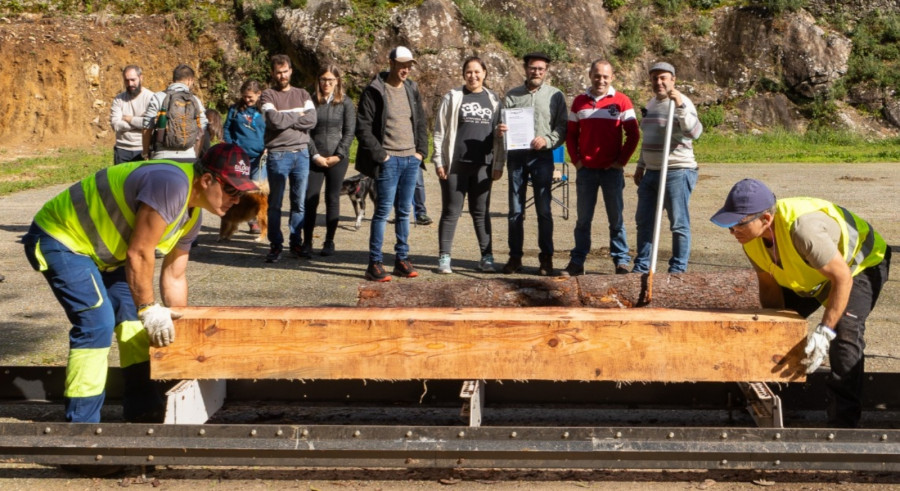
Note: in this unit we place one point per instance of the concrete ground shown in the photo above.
(34, 329)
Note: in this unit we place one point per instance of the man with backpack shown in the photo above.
(175, 120)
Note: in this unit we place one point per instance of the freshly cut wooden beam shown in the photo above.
(733, 290)
(480, 343)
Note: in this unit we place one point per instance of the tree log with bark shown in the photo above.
(733, 290)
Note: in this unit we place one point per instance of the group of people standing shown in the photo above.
(306, 140)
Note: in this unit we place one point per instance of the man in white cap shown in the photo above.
(393, 143)
(809, 253)
(681, 176)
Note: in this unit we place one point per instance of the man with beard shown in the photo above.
(536, 163)
(290, 113)
(126, 116)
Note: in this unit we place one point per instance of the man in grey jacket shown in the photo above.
(126, 116)
(550, 119)
(393, 143)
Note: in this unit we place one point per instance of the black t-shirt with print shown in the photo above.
(474, 134)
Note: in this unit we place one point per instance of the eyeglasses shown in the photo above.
(746, 221)
(228, 188)
(325, 80)
(538, 69)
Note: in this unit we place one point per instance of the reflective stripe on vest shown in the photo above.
(859, 245)
(92, 217)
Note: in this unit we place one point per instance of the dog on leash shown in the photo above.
(359, 187)
(252, 205)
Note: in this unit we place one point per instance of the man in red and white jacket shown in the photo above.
(598, 120)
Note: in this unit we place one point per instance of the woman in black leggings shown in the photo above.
(463, 153)
(329, 146)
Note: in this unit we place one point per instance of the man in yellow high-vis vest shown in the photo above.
(95, 243)
(809, 253)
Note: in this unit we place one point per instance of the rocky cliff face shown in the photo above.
(60, 73)
(748, 59)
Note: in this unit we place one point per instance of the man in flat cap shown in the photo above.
(808, 253)
(536, 162)
(681, 176)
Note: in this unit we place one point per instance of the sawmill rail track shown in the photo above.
(655, 444)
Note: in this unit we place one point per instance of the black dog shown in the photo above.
(357, 188)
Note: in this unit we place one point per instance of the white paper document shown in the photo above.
(519, 127)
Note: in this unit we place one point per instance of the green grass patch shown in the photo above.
(61, 167)
(782, 146)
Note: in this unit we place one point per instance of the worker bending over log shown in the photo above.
(808, 252)
(95, 243)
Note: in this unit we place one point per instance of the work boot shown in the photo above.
(514, 265)
(303, 251)
(546, 268)
(274, 254)
(622, 269)
(404, 268)
(376, 272)
(572, 269)
(423, 219)
(327, 248)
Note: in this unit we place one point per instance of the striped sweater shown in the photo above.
(653, 129)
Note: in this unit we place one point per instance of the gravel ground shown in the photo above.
(35, 329)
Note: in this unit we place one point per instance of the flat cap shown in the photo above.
(662, 66)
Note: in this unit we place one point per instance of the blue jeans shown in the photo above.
(419, 195)
(257, 172)
(679, 185)
(538, 165)
(284, 168)
(587, 183)
(97, 305)
(396, 182)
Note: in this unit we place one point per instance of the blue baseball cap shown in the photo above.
(747, 197)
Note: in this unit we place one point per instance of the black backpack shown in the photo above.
(182, 125)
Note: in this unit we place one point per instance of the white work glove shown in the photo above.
(157, 321)
(817, 343)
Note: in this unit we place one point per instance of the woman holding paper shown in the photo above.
(463, 154)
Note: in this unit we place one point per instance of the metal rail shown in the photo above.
(568, 434)
(451, 447)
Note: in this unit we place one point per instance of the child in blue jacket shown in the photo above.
(244, 126)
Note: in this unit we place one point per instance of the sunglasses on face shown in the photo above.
(746, 221)
(228, 188)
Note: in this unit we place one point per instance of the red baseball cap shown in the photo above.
(232, 164)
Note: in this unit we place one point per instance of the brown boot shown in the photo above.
(546, 268)
(514, 265)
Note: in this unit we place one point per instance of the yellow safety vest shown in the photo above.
(860, 245)
(92, 217)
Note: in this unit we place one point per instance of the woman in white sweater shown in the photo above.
(463, 154)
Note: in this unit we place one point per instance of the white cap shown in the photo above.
(402, 54)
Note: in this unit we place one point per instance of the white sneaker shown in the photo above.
(487, 264)
(444, 264)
